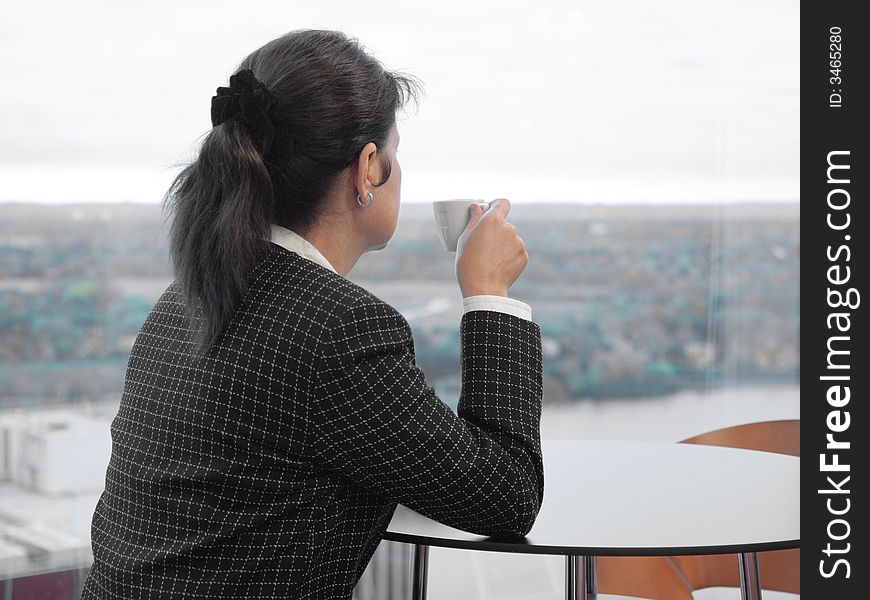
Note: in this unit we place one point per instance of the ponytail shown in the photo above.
(222, 205)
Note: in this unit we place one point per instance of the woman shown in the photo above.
(273, 415)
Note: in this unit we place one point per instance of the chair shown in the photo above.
(652, 577)
(779, 570)
(674, 578)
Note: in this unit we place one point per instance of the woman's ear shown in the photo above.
(367, 169)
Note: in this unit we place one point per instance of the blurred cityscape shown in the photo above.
(634, 302)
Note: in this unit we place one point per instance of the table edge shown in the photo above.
(518, 546)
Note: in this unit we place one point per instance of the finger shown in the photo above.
(476, 211)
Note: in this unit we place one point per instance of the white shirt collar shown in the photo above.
(296, 243)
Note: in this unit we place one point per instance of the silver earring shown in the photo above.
(369, 196)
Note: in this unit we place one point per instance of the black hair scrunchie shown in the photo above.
(253, 101)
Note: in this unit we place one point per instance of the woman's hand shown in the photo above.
(489, 255)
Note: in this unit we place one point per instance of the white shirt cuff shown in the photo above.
(497, 303)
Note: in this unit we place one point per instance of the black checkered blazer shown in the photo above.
(272, 468)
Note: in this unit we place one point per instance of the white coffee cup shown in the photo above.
(451, 218)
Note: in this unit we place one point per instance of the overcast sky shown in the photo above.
(666, 100)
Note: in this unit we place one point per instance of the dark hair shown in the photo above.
(332, 99)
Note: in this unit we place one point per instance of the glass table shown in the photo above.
(611, 498)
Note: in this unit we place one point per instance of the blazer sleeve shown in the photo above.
(377, 422)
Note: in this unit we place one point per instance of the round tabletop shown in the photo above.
(611, 498)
